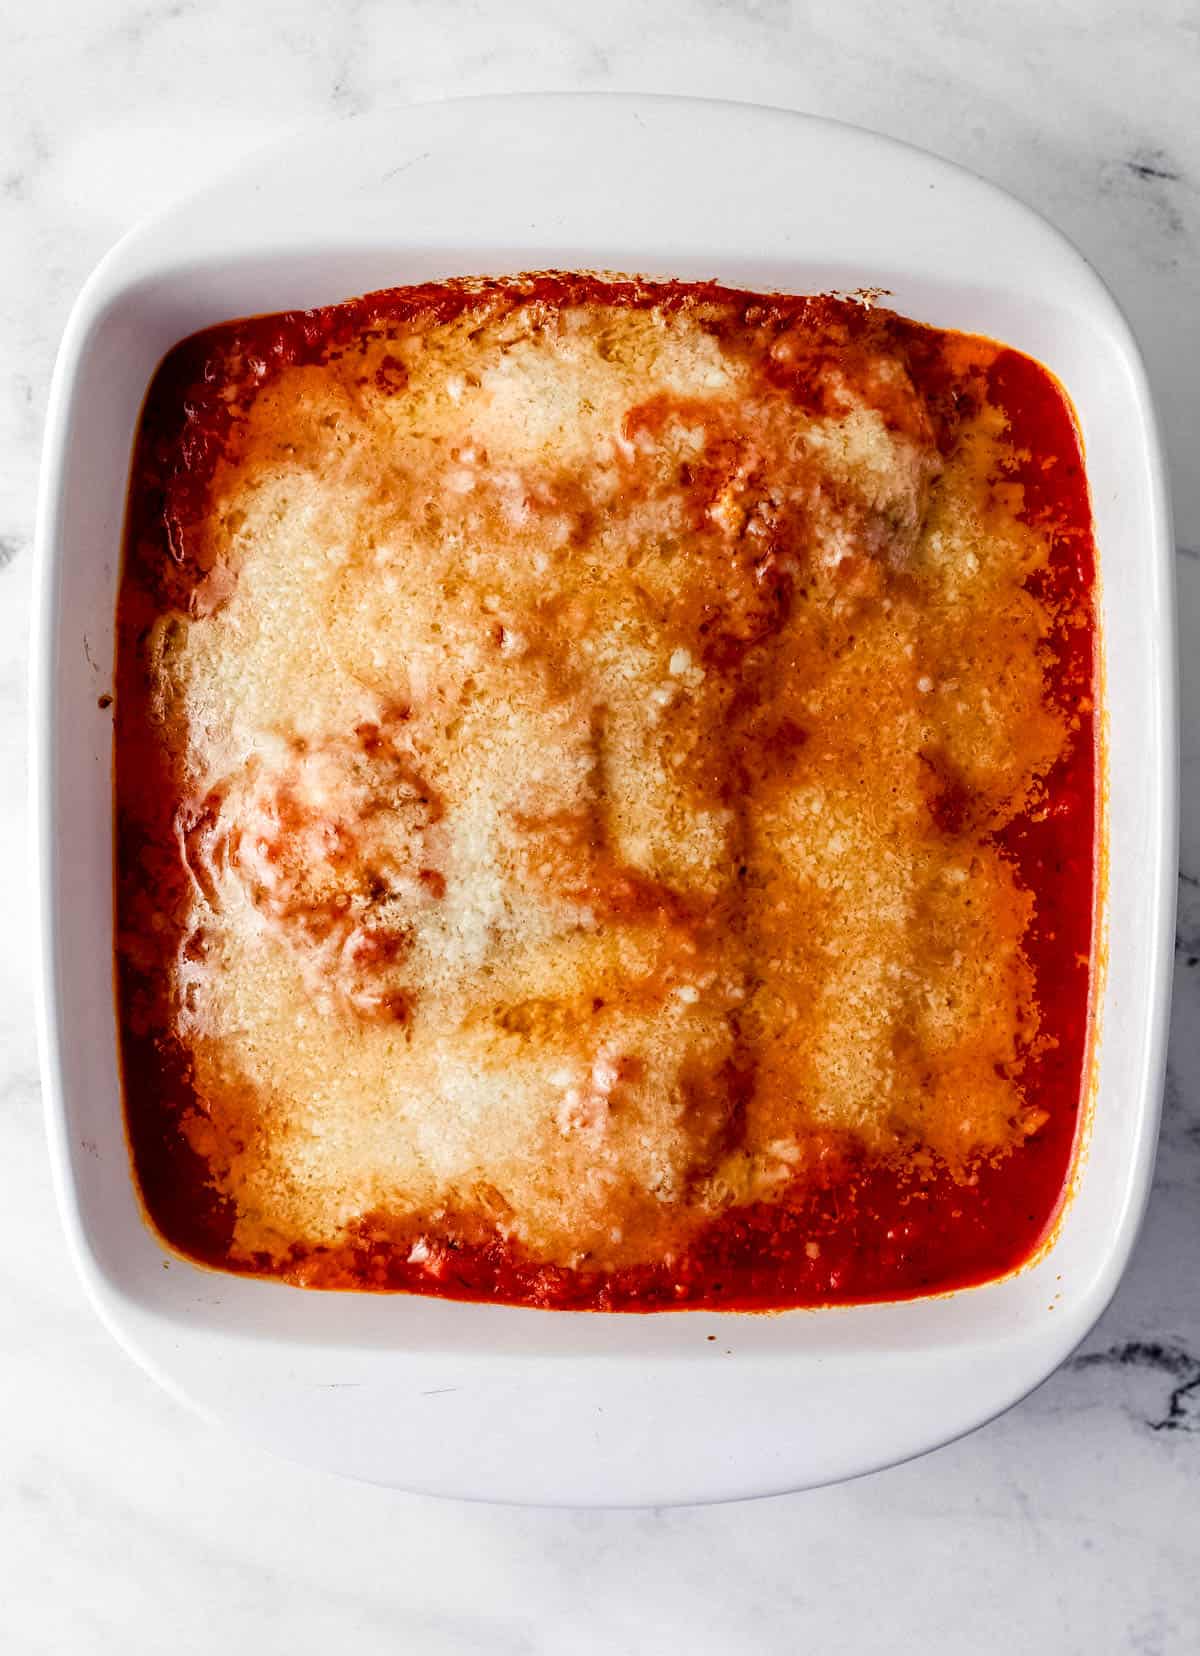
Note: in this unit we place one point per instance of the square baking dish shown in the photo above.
(497, 1402)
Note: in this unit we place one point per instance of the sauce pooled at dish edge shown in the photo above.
(606, 797)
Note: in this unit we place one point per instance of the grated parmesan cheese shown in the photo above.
(492, 911)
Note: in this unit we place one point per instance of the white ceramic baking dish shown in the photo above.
(492, 1401)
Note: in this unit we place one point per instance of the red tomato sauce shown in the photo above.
(880, 1233)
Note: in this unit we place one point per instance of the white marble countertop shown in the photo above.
(127, 1525)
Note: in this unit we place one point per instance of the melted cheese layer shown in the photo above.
(593, 723)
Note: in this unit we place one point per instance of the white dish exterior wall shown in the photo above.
(495, 1402)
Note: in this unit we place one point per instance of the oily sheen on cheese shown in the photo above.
(583, 720)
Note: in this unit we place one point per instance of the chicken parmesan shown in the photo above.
(606, 784)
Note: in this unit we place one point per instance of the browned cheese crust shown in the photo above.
(590, 714)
